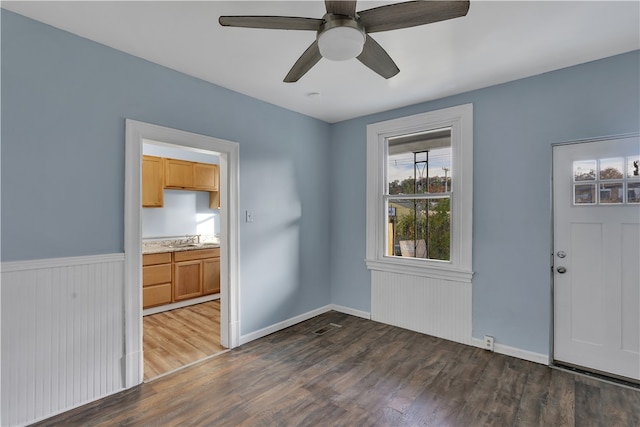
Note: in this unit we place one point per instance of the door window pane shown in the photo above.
(611, 168)
(611, 193)
(584, 170)
(633, 192)
(633, 167)
(584, 194)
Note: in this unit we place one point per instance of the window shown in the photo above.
(419, 194)
(609, 177)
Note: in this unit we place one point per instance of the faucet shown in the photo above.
(191, 238)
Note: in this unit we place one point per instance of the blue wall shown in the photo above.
(514, 126)
(64, 101)
(64, 104)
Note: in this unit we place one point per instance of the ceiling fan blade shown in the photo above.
(271, 22)
(410, 14)
(308, 59)
(376, 58)
(347, 8)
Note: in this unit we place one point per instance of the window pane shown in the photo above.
(584, 194)
(611, 193)
(419, 228)
(419, 163)
(584, 170)
(633, 167)
(611, 168)
(633, 192)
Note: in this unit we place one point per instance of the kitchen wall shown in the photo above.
(184, 212)
(514, 126)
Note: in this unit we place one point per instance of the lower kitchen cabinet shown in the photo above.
(211, 276)
(156, 279)
(187, 280)
(177, 276)
(196, 273)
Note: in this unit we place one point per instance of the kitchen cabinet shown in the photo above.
(185, 175)
(156, 279)
(196, 273)
(187, 280)
(152, 182)
(178, 174)
(211, 276)
(205, 177)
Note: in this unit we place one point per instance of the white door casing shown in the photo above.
(597, 256)
(229, 236)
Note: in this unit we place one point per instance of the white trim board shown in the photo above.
(38, 264)
(283, 325)
(519, 353)
(351, 311)
(136, 133)
(301, 318)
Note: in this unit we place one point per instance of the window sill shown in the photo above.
(415, 267)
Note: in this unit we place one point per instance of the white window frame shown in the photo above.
(460, 120)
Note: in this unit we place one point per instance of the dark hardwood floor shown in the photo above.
(362, 374)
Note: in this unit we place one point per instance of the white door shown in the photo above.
(596, 203)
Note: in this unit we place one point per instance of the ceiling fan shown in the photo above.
(343, 33)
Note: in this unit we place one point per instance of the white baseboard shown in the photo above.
(301, 318)
(531, 356)
(351, 311)
(284, 324)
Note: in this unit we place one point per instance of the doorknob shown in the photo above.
(561, 270)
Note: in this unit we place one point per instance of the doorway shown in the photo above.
(136, 132)
(596, 248)
(181, 298)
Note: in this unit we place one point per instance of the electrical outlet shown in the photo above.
(488, 342)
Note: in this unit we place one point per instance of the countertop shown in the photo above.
(161, 247)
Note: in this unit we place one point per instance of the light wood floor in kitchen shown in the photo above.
(362, 374)
(175, 338)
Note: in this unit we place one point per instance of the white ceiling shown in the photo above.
(498, 41)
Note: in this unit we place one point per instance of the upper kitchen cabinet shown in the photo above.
(205, 176)
(152, 182)
(182, 174)
(178, 174)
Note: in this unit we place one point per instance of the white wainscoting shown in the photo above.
(62, 334)
(437, 307)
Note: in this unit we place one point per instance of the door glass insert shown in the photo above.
(607, 181)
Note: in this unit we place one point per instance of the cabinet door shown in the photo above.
(152, 182)
(205, 177)
(156, 295)
(211, 276)
(178, 173)
(187, 280)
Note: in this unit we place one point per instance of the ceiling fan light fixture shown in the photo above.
(341, 43)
